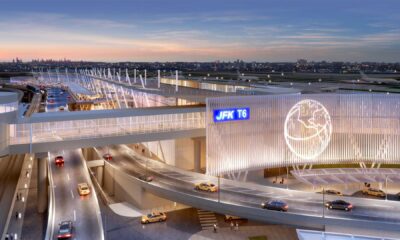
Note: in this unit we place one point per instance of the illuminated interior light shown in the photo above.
(308, 129)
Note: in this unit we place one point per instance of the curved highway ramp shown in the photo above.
(244, 199)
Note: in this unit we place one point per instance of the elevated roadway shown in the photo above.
(55, 131)
(244, 199)
(34, 105)
(56, 98)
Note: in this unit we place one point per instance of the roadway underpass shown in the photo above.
(68, 205)
(244, 199)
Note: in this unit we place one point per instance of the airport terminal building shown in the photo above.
(256, 132)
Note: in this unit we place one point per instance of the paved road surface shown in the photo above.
(56, 97)
(83, 211)
(300, 203)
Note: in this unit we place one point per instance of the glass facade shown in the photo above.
(354, 128)
(8, 107)
(104, 127)
(204, 85)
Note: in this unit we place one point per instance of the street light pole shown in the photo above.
(287, 177)
(323, 202)
(219, 188)
(146, 167)
(386, 189)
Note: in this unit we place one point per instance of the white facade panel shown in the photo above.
(325, 128)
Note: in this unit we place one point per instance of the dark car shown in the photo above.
(65, 230)
(276, 205)
(333, 192)
(146, 178)
(59, 160)
(107, 156)
(339, 204)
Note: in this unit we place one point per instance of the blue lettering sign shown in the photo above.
(231, 114)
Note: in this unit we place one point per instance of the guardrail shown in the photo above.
(99, 218)
(51, 206)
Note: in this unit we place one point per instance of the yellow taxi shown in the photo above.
(374, 192)
(83, 189)
(154, 217)
(231, 217)
(205, 186)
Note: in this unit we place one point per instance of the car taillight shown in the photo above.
(350, 206)
(67, 235)
(286, 207)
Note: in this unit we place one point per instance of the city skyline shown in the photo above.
(200, 31)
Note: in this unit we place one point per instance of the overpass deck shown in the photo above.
(77, 129)
(243, 199)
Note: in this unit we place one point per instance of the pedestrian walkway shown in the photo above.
(207, 219)
(271, 232)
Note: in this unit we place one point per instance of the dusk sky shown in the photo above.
(206, 30)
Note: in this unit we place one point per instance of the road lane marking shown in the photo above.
(74, 215)
(72, 194)
(207, 219)
(306, 209)
(68, 177)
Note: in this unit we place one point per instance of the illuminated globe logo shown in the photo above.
(308, 129)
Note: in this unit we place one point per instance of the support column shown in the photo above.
(99, 175)
(42, 184)
(4, 142)
(197, 154)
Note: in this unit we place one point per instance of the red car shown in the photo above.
(107, 156)
(59, 160)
